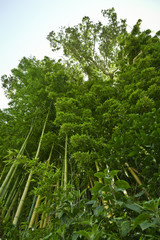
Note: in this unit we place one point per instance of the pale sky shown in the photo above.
(25, 24)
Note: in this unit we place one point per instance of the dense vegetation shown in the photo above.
(79, 143)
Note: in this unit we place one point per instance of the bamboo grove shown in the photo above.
(80, 140)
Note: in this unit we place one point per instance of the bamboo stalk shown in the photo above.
(15, 220)
(97, 168)
(2, 172)
(132, 171)
(65, 164)
(104, 202)
(46, 220)
(91, 183)
(15, 192)
(12, 192)
(19, 209)
(34, 211)
(14, 166)
(43, 216)
(39, 196)
(11, 206)
(42, 219)
(36, 219)
(47, 217)
(29, 216)
(8, 184)
(7, 178)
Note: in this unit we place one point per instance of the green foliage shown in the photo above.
(92, 45)
(105, 98)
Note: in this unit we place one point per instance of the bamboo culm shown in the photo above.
(19, 209)
(14, 166)
(39, 197)
(65, 164)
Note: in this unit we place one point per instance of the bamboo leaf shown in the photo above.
(47, 237)
(84, 233)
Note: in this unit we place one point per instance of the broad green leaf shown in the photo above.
(133, 207)
(150, 205)
(125, 228)
(114, 173)
(99, 175)
(96, 187)
(146, 224)
(140, 219)
(121, 184)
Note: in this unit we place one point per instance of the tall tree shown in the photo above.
(92, 45)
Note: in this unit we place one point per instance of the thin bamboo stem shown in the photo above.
(97, 168)
(45, 220)
(47, 216)
(39, 196)
(36, 219)
(65, 164)
(137, 179)
(5, 189)
(11, 206)
(104, 202)
(19, 209)
(14, 166)
(15, 220)
(2, 172)
(34, 212)
(29, 216)
(12, 192)
(42, 219)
